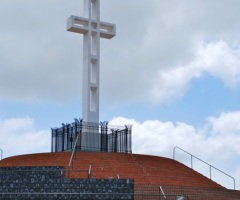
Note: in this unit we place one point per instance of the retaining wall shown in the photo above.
(49, 183)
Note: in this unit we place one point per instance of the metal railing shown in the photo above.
(210, 166)
(161, 190)
(73, 152)
(70, 164)
(100, 137)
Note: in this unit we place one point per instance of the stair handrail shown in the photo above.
(174, 149)
(74, 148)
(160, 188)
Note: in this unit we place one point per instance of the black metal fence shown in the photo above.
(92, 137)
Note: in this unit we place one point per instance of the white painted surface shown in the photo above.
(92, 29)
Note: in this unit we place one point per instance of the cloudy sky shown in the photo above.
(172, 71)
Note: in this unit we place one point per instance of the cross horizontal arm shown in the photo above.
(83, 25)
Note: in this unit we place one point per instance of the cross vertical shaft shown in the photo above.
(91, 59)
(92, 29)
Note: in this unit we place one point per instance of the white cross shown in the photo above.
(92, 29)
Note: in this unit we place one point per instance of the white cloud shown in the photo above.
(20, 136)
(172, 83)
(215, 58)
(221, 60)
(178, 42)
(158, 50)
(226, 124)
(218, 144)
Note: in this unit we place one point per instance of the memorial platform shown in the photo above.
(148, 172)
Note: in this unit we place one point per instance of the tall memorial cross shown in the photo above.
(92, 29)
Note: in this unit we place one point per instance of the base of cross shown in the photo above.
(88, 136)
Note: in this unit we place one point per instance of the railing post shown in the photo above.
(174, 153)
(191, 162)
(210, 172)
(89, 171)
(1, 153)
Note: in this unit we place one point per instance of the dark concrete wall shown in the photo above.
(49, 183)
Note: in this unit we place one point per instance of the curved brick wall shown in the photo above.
(142, 168)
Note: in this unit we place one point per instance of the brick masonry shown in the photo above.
(50, 183)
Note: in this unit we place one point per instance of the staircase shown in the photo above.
(142, 168)
(148, 172)
(193, 193)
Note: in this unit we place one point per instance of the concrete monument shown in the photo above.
(92, 29)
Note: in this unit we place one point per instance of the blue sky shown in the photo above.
(172, 71)
(206, 96)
